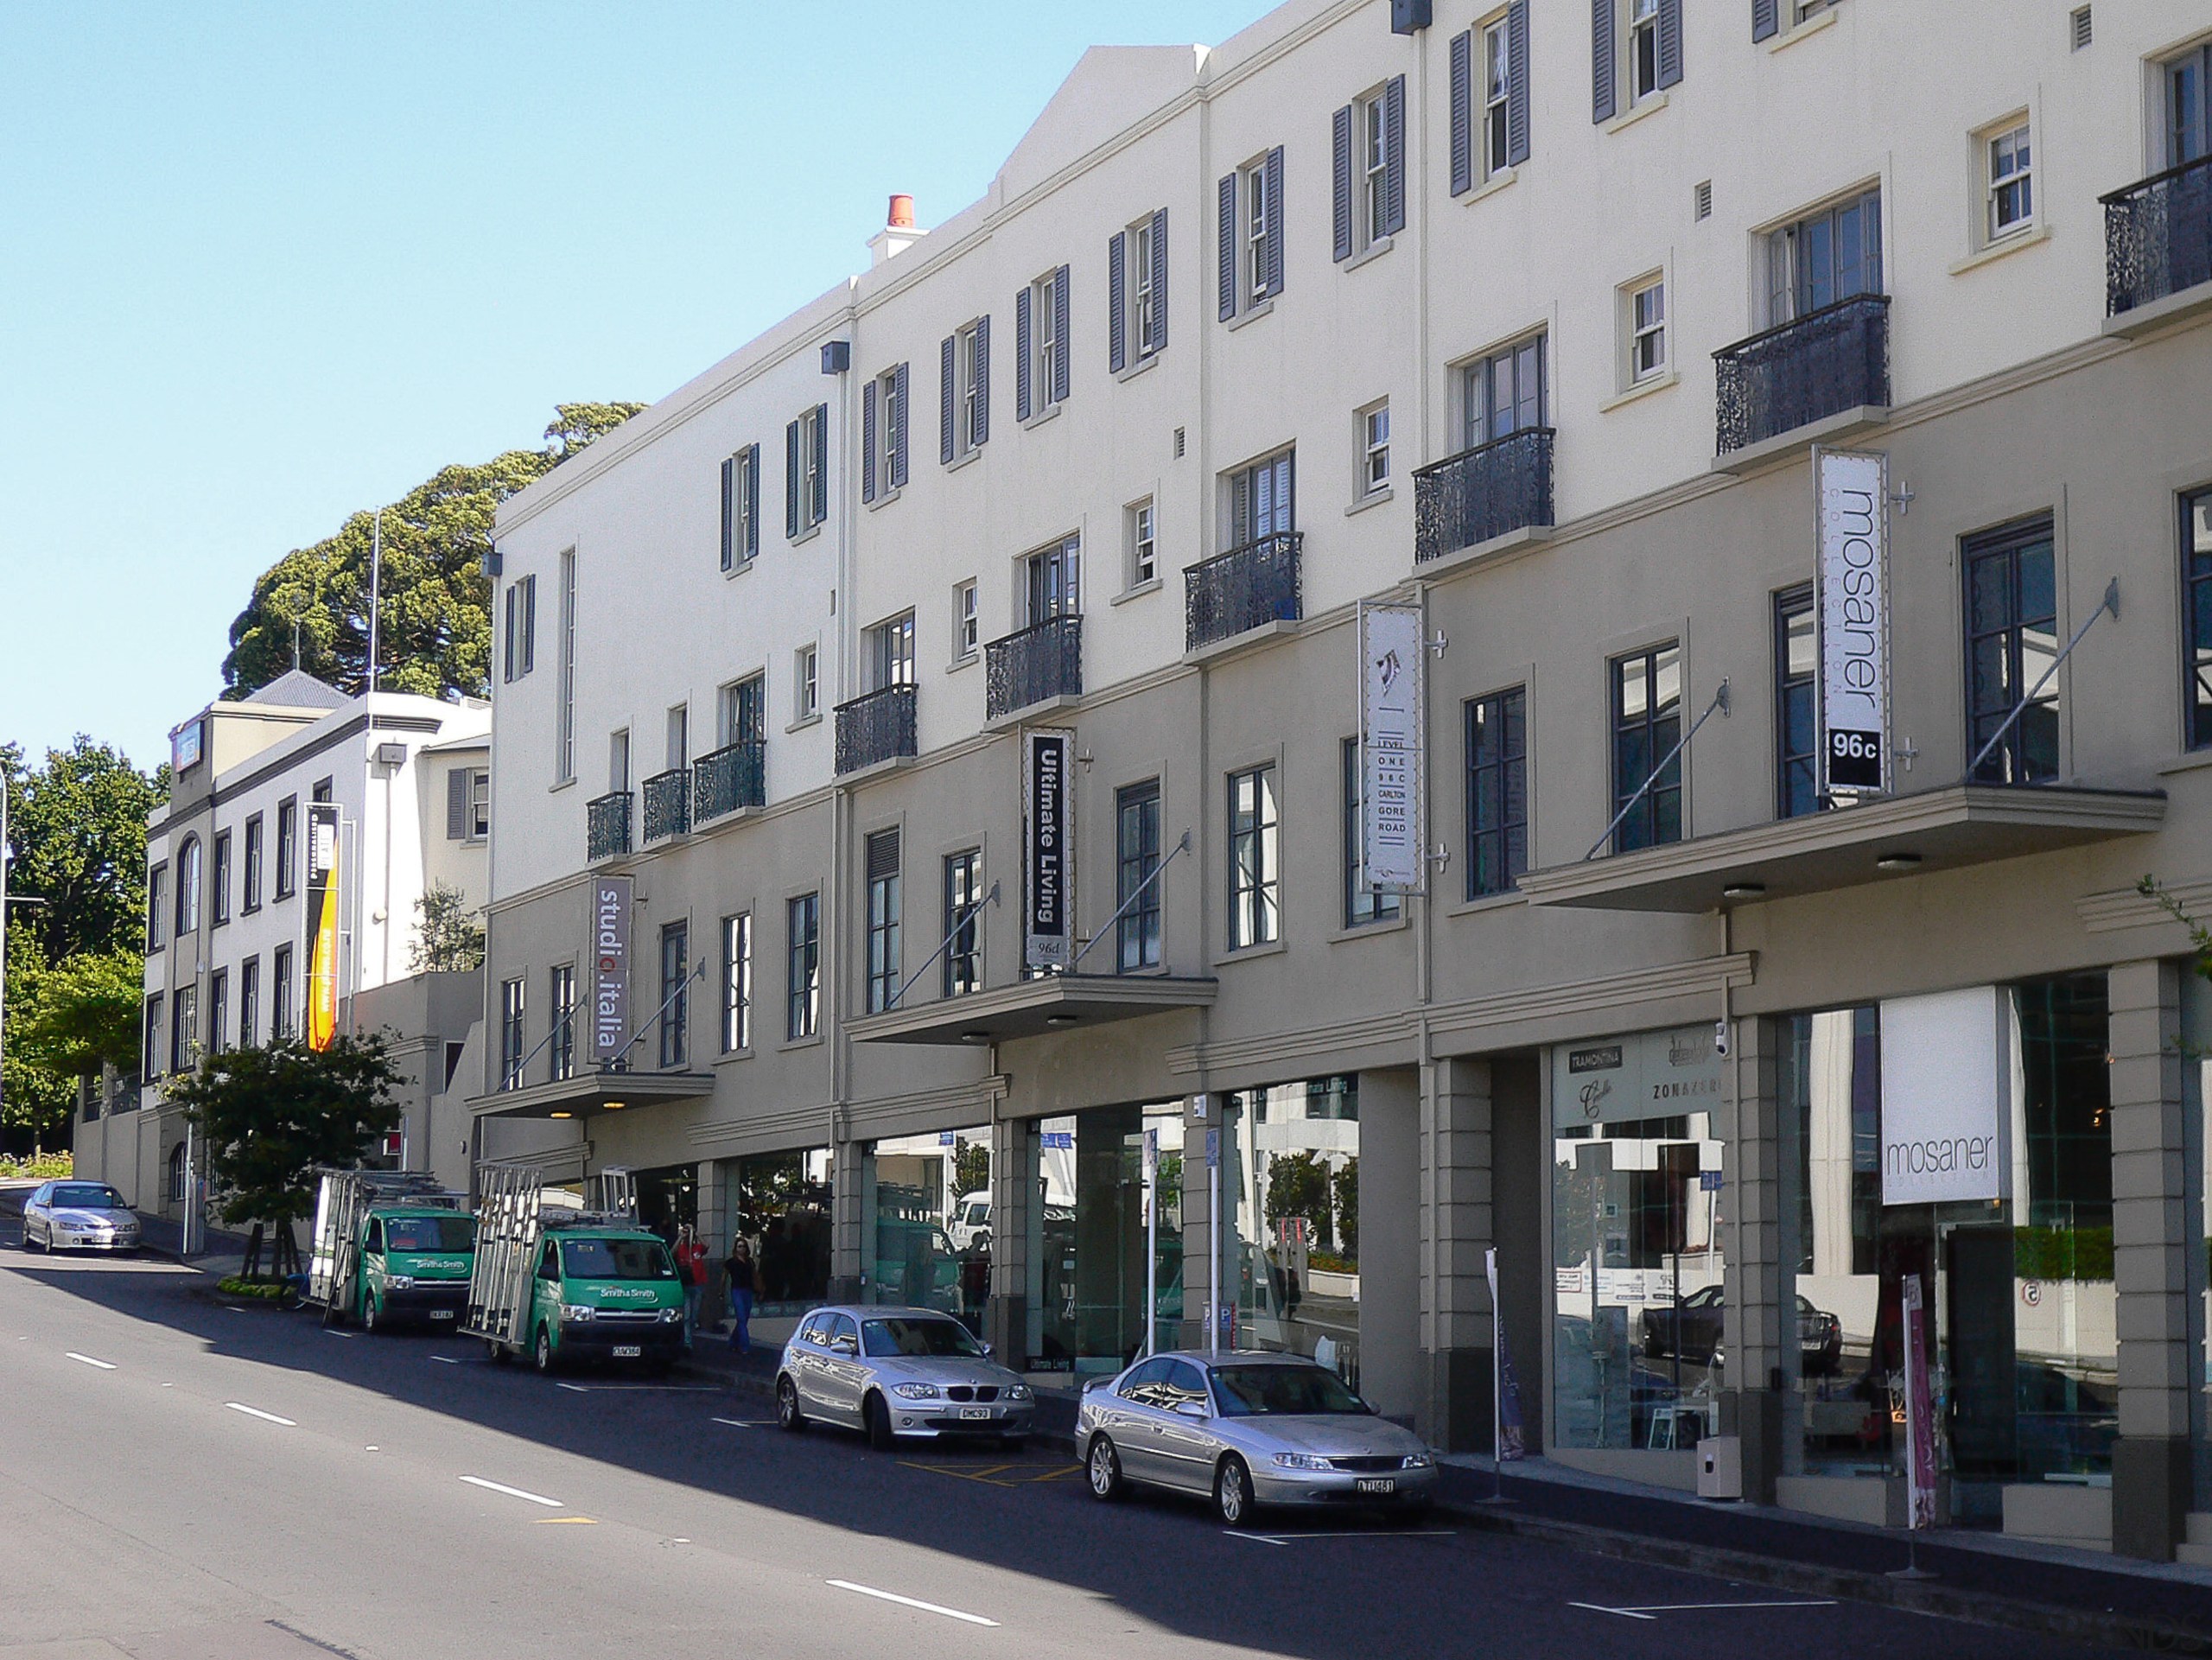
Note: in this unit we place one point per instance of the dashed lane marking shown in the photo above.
(104, 1365)
(445, 1360)
(255, 1412)
(567, 1521)
(512, 1493)
(912, 1602)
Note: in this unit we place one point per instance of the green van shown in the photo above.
(413, 1263)
(604, 1293)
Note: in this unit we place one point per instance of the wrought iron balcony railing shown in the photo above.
(1822, 364)
(1245, 589)
(2159, 237)
(877, 726)
(1043, 660)
(668, 803)
(606, 825)
(727, 779)
(1486, 492)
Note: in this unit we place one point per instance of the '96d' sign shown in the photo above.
(1854, 621)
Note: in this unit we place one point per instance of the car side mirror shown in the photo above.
(987, 1351)
(1191, 1409)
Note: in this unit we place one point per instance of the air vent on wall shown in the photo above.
(1702, 199)
(2080, 26)
(1179, 443)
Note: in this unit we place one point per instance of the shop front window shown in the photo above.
(1291, 1254)
(926, 1203)
(669, 1198)
(1091, 1211)
(781, 1204)
(1640, 1212)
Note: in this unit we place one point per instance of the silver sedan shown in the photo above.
(79, 1216)
(1248, 1430)
(898, 1373)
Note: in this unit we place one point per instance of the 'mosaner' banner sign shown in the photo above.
(1852, 494)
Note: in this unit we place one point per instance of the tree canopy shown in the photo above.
(448, 937)
(434, 631)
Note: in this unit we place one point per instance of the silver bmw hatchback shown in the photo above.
(79, 1216)
(1248, 1430)
(899, 1374)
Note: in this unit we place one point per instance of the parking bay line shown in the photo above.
(911, 1602)
(104, 1365)
(1653, 1609)
(998, 1475)
(513, 1492)
(255, 1412)
(1357, 1533)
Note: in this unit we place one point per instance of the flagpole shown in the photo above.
(376, 577)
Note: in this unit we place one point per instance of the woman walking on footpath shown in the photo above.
(744, 1285)
(692, 1269)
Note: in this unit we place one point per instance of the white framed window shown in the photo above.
(2008, 180)
(741, 508)
(1045, 308)
(1497, 87)
(1375, 448)
(969, 390)
(1051, 581)
(1248, 239)
(966, 633)
(564, 736)
(1643, 49)
(1139, 527)
(890, 648)
(807, 683)
(737, 983)
(1502, 392)
(888, 421)
(1260, 211)
(1644, 321)
(1374, 169)
(479, 804)
(806, 472)
(1144, 300)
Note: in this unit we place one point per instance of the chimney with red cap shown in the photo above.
(897, 233)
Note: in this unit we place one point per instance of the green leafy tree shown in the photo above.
(1345, 1185)
(84, 1013)
(971, 1169)
(448, 937)
(433, 629)
(272, 1117)
(1298, 1185)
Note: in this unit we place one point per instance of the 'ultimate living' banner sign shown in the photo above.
(610, 974)
(1048, 848)
(1852, 492)
(1391, 676)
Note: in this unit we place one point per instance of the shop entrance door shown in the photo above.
(1983, 1410)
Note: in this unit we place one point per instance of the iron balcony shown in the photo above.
(1822, 364)
(1246, 587)
(2159, 237)
(606, 825)
(877, 727)
(1484, 493)
(668, 803)
(1042, 661)
(727, 779)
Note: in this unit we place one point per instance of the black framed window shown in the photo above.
(157, 882)
(1797, 718)
(1255, 859)
(1136, 856)
(2012, 619)
(287, 838)
(1646, 710)
(737, 983)
(510, 1014)
(2196, 615)
(1497, 792)
(248, 1002)
(280, 993)
(1362, 904)
(219, 1010)
(561, 1009)
(802, 966)
(218, 884)
(149, 1061)
(963, 892)
(882, 853)
(674, 993)
(249, 877)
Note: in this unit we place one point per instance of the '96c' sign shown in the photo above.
(1853, 500)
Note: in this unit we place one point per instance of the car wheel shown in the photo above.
(495, 1352)
(877, 1416)
(1232, 1492)
(787, 1413)
(541, 1351)
(369, 1313)
(1103, 1467)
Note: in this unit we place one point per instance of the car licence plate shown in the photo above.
(1377, 1485)
(975, 1412)
(441, 1313)
(628, 1351)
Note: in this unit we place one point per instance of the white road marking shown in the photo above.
(104, 1365)
(739, 1424)
(255, 1412)
(1653, 1609)
(1626, 1613)
(1256, 1538)
(911, 1602)
(445, 1360)
(513, 1492)
(572, 1389)
(332, 1332)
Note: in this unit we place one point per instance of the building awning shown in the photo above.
(1945, 828)
(590, 1092)
(1029, 1007)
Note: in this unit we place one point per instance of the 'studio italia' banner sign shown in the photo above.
(1048, 848)
(322, 925)
(1391, 678)
(610, 967)
(1852, 494)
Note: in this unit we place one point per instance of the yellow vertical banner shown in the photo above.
(322, 925)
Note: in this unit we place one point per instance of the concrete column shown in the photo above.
(1014, 1194)
(1455, 1229)
(1391, 1373)
(848, 1251)
(1757, 1325)
(2151, 1461)
(714, 1225)
(1201, 1114)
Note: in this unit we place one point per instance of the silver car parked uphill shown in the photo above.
(1248, 1430)
(78, 1216)
(898, 1373)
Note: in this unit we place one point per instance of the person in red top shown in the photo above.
(692, 1269)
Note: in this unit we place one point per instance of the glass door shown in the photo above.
(1048, 582)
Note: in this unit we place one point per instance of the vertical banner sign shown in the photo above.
(1048, 848)
(1510, 1438)
(1392, 680)
(322, 925)
(1919, 1412)
(610, 960)
(1853, 508)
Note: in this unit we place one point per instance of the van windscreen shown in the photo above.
(616, 1259)
(430, 1233)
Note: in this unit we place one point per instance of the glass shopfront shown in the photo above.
(1640, 1211)
(668, 1198)
(1089, 1219)
(926, 1204)
(781, 1202)
(1290, 1176)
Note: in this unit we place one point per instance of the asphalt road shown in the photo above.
(179, 1481)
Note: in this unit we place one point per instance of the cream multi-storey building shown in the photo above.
(1539, 319)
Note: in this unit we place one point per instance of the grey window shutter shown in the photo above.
(457, 805)
(1021, 355)
(982, 378)
(821, 462)
(729, 502)
(1604, 51)
(1116, 307)
(1274, 221)
(752, 499)
(1516, 86)
(1340, 196)
(948, 418)
(507, 655)
(791, 478)
(1670, 42)
(1462, 113)
(1766, 19)
(1060, 334)
(1227, 253)
(867, 442)
(528, 623)
(1394, 155)
(898, 428)
(1159, 280)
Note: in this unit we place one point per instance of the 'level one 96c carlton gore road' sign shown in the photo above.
(1852, 494)
(1390, 701)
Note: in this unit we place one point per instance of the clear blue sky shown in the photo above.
(264, 264)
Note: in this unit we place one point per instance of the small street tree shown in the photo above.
(271, 1116)
(448, 938)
